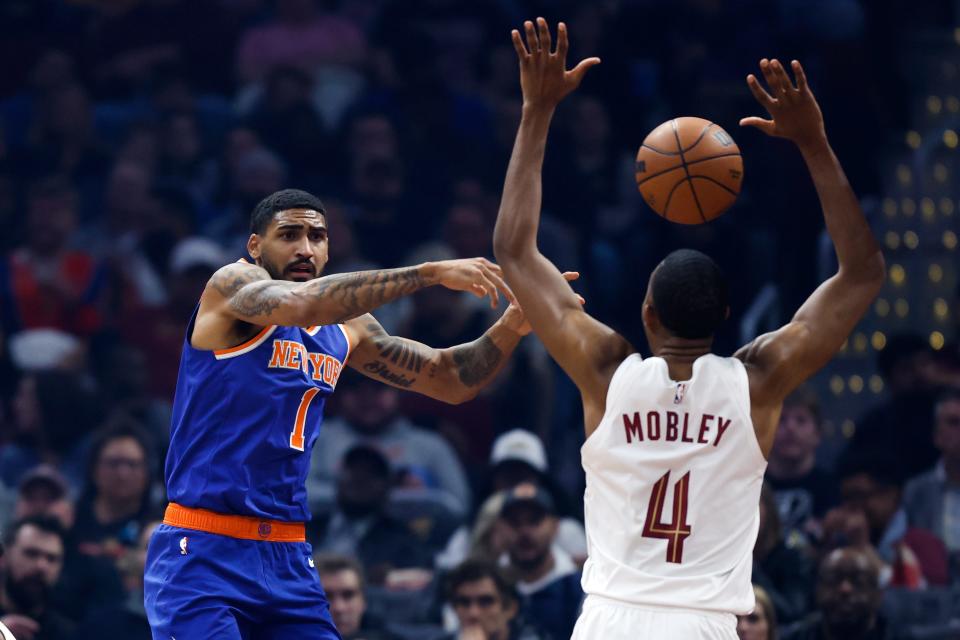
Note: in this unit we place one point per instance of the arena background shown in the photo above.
(136, 136)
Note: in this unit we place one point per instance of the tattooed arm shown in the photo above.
(452, 375)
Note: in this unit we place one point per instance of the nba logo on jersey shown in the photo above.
(679, 393)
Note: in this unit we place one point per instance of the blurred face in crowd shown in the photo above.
(480, 604)
(510, 473)
(26, 408)
(347, 602)
(51, 220)
(33, 563)
(361, 489)
(531, 532)
(946, 435)
(754, 626)
(293, 247)
(368, 406)
(181, 141)
(797, 435)
(878, 502)
(120, 474)
(848, 591)
(372, 136)
(40, 499)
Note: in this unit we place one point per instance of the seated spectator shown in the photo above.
(486, 605)
(485, 540)
(786, 574)
(127, 619)
(518, 456)
(848, 600)
(116, 502)
(48, 283)
(870, 518)
(360, 527)
(370, 415)
(804, 491)
(86, 582)
(761, 624)
(342, 580)
(548, 579)
(932, 500)
(32, 566)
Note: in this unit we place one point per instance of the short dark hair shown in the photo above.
(689, 294)
(806, 398)
(885, 468)
(328, 563)
(474, 570)
(364, 455)
(278, 201)
(45, 523)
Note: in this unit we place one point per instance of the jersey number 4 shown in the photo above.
(677, 530)
(299, 424)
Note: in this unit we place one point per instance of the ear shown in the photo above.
(511, 608)
(253, 246)
(650, 317)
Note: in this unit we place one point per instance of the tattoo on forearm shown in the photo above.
(383, 371)
(358, 293)
(477, 361)
(405, 355)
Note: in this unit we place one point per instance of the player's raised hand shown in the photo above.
(793, 108)
(543, 70)
(516, 320)
(479, 276)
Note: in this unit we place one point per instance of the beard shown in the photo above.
(529, 562)
(29, 593)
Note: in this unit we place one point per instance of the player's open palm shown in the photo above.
(543, 70)
(793, 108)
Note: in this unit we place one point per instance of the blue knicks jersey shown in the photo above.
(245, 420)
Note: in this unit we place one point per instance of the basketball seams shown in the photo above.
(716, 182)
(695, 142)
(666, 206)
(689, 164)
(696, 200)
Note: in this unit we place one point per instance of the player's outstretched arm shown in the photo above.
(247, 293)
(778, 362)
(587, 350)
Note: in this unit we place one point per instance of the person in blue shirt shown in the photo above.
(263, 351)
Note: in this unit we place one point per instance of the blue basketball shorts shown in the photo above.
(204, 586)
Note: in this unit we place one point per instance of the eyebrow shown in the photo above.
(297, 226)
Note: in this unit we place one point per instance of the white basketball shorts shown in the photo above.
(605, 619)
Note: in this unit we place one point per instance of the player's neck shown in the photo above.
(790, 469)
(680, 354)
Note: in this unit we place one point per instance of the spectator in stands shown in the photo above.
(932, 500)
(870, 518)
(904, 423)
(54, 412)
(761, 624)
(183, 161)
(342, 580)
(848, 600)
(86, 582)
(360, 526)
(301, 35)
(370, 415)
(126, 619)
(32, 565)
(804, 492)
(116, 503)
(485, 539)
(486, 605)
(786, 574)
(517, 457)
(547, 578)
(50, 284)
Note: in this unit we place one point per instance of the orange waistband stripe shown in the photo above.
(243, 527)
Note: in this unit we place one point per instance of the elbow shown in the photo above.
(461, 395)
(876, 270)
(507, 246)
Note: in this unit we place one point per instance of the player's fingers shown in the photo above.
(760, 93)
(583, 302)
(493, 266)
(532, 43)
(570, 276)
(581, 69)
(546, 41)
(768, 76)
(521, 50)
(490, 289)
(784, 86)
(498, 283)
(800, 75)
(767, 126)
(562, 42)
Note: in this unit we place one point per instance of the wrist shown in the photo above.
(537, 110)
(430, 273)
(814, 145)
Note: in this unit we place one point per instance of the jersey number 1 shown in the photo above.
(677, 530)
(296, 436)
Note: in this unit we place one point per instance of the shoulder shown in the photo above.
(229, 279)
(921, 483)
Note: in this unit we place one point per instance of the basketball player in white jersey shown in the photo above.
(676, 443)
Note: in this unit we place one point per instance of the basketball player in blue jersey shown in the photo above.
(263, 350)
(676, 443)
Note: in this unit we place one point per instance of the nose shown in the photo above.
(304, 248)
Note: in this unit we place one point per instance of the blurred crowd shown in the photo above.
(136, 137)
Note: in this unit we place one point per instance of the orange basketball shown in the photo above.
(689, 170)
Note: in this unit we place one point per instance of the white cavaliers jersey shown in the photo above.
(674, 472)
